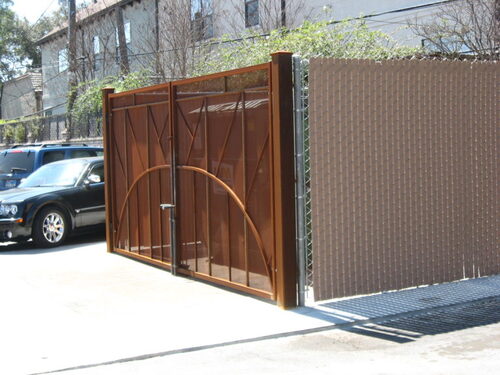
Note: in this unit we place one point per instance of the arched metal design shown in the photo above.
(220, 183)
(207, 146)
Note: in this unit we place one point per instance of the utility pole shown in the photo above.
(72, 80)
(122, 41)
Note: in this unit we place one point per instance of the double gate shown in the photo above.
(216, 153)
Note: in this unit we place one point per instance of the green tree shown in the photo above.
(9, 41)
(18, 49)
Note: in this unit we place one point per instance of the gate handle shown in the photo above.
(165, 206)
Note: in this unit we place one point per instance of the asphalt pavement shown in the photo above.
(80, 310)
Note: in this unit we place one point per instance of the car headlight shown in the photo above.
(8, 209)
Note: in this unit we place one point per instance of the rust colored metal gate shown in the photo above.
(219, 149)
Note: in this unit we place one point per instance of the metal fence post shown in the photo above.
(284, 175)
(299, 179)
(106, 125)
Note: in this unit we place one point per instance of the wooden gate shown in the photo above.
(219, 150)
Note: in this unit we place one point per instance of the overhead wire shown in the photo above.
(369, 18)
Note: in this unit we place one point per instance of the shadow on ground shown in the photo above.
(412, 328)
(407, 315)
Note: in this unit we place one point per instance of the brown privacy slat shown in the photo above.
(404, 164)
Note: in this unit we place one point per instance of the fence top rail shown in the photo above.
(143, 90)
(228, 73)
(164, 86)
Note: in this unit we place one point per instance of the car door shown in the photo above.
(87, 199)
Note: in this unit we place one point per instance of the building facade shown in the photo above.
(21, 96)
(159, 34)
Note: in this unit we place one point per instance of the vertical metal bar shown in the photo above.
(148, 145)
(284, 177)
(244, 162)
(272, 190)
(108, 156)
(160, 222)
(195, 225)
(134, 101)
(229, 236)
(207, 184)
(173, 181)
(125, 136)
(300, 179)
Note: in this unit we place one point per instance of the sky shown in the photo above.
(33, 9)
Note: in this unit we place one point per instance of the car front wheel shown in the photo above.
(50, 227)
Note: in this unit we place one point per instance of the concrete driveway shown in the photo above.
(78, 309)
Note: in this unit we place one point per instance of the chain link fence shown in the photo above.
(303, 178)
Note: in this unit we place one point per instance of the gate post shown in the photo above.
(284, 179)
(106, 140)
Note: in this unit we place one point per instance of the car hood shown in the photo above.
(22, 194)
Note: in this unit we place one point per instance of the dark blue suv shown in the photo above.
(19, 162)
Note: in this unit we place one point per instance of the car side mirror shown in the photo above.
(92, 179)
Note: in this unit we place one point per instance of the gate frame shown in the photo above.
(283, 183)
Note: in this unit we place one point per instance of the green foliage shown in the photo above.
(13, 131)
(9, 40)
(89, 100)
(8, 133)
(18, 49)
(349, 39)
(20, 134)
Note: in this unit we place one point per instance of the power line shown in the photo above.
(41, 16)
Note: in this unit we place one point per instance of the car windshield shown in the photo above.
(16, 161)
(56, 174)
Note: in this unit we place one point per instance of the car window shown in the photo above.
(23, 160)
(51, 156)
(83, 153)
(98, 170)
(60, 174)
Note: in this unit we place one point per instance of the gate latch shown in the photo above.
(165, 206)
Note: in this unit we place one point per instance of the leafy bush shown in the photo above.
(348, 39)
(89, 100)
(8, 133)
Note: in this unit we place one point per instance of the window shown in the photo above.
(126, 29)
(51, 156)
(16, 159)
(251, 13)
(96, 44)
(83, 153)
(201, 19)
(63, 60)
